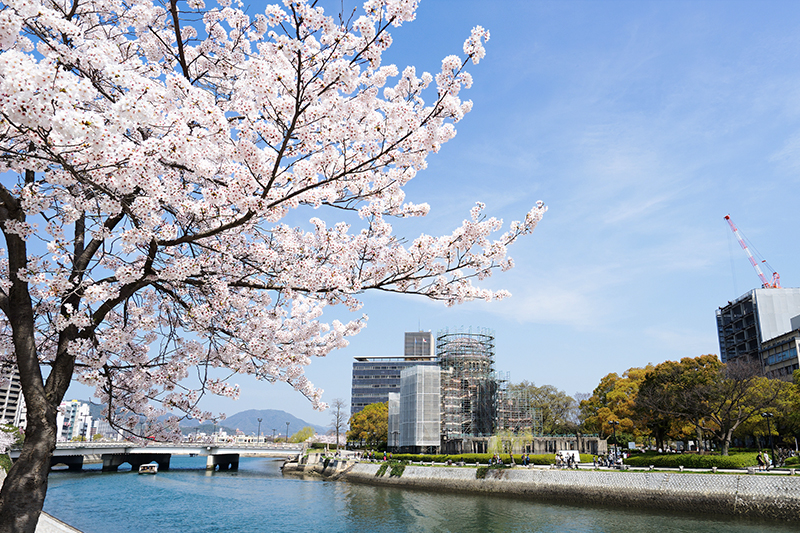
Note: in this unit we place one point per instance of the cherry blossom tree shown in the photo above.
(160, 162)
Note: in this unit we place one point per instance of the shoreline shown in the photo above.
(768, 497)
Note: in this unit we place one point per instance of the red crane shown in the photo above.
(765, 283)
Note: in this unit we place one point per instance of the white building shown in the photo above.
(12, 402)
(419, 409)
(74, 420)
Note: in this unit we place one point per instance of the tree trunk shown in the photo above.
(24, 489)
(726, 441)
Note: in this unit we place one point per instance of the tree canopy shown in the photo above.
(186, 188)
(694, 397)
(370, 426)
(303, 435)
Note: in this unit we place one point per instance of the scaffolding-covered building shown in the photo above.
(419, 410)
(515, 413)
(469, 389)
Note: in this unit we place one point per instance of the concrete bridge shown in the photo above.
(220, 455)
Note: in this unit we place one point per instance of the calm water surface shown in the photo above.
(258, 498)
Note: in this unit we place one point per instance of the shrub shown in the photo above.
(792, 461)
(398, 467)
(382, 470)
(5, 462)
(481, 471)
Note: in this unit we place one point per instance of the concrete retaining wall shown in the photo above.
(769, 497)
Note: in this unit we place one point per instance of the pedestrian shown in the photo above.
(760, 460)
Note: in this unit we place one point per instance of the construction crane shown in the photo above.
(765, 283)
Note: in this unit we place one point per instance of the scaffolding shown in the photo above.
(468, 384)
(515, 412)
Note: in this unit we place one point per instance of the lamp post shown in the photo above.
(287, 432)
(614, 424)
(259, 431)
(769, 430)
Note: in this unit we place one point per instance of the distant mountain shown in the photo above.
(247, 422)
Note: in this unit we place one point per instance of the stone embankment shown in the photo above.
(774, 497)
(319, 464)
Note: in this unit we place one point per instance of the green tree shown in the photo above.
(614, 399)
(303, 435)
(663, 399)
(714, 397)
(370, 426)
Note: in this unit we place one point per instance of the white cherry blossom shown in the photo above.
(153, 153)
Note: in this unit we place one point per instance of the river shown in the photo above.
(257, 498)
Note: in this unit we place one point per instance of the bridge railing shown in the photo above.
(220, 444)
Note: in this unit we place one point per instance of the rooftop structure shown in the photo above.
(419, 344)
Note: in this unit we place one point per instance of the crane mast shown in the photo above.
(775, 283)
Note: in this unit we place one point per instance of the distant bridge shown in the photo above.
(221, 455)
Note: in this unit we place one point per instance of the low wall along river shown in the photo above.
(755, 496)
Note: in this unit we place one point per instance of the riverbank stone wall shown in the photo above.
(757, 496)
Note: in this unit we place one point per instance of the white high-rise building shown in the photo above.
(12, 401)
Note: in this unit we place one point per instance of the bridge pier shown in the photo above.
(73, 462)
(112, 462)
(225, 461)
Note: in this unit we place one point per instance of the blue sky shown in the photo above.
(641, 125)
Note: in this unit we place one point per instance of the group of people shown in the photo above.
(372, 456)
(525, 460)
(566, 461)
(764, 462)
(610, 460)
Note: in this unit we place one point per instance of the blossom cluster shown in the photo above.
(166, 162)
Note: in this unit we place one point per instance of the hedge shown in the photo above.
(482, 458)
(739, 460)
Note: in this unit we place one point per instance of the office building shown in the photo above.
(375, 377)
(745, 325)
